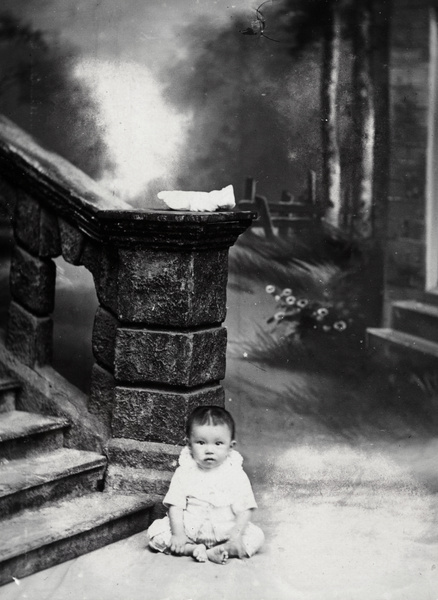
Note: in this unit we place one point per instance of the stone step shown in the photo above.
(28, 482)
(143, 481)
(8, 391)
(25, 434)
(40, 538)
(430, 297)
(415, 318)
(395, 347)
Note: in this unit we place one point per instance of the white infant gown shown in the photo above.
(210, 501)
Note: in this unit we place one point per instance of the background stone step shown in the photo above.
(146, 481)
(43, 537)
(8, 390)
(395, 347)
(415, 318)
(430, 297)
(25, 434)
(28, 482)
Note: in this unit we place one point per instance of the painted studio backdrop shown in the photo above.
(322, 115)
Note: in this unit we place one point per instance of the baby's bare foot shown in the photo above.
(217, 554)
(200, 553)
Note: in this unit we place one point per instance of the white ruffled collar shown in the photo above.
(186, 460)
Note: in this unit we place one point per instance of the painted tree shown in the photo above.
(40, 92)
(252, 115)
(331, 160)
(380, 43)
(371, 179)
(363, 121)
(310, 23)
(348, 26)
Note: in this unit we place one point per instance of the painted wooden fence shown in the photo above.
(286, 217)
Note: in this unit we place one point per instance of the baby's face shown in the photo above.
(210, 445)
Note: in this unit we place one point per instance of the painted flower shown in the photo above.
(279, 316)
(340, 325)
(322, 312)
(286, 292)
(290, 300)
(270, 289)
(302, 302)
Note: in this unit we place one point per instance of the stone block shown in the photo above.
(174, 358)
(143, 455)
(154, 415)
(405, 263)
(35, 227)
(410, 187)
(104, 338)
(26, 221)
(417, 156)
(128, 480)
(132, 414)
(405, 98)
(402, 227)
(416, 75)
(172, 288)
(8, 199)
(411, 57)
(214, 395)
(50, 241)
(101, 398)
(407, 128)
(32, 282)
(29, 337)
(72, 242)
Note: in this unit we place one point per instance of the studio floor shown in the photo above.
(343, 520)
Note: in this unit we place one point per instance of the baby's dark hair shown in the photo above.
(211, 415)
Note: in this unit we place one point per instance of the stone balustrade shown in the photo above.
(160, 278)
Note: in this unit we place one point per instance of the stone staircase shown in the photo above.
(411, 339)
(52, 508)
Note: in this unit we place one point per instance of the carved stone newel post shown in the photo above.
(158, 340)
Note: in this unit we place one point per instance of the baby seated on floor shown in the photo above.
(210, 500)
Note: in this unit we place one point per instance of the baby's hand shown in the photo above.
(178, 543)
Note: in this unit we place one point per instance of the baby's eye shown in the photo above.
(219, 443)
(200, 443)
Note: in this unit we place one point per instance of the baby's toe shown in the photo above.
(218, 554)
(200, 553)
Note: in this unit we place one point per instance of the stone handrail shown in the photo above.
(160, 279)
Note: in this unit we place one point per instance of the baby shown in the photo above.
(210, 499)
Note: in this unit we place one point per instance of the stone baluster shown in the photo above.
(32, 282)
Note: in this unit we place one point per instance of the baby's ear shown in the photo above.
(233, 443)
